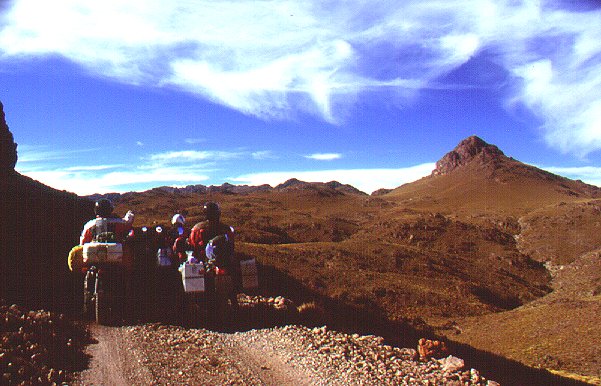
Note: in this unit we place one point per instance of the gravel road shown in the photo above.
(156, 354)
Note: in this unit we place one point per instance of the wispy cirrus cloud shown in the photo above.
(324, 156)
(209, 156)
(194, 155)
(41, 153)
(263, 155)
(141, 173)
(319, 57)
(194, 141)
(92, 168)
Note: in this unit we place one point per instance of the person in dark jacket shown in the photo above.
(213, 242)
(203, 232)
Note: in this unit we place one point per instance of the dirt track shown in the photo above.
(155, 354)
(113, 361)
(127, 356)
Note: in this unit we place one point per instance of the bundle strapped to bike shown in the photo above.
(98, 252)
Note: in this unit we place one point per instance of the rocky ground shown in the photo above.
(43, 348)
(289, 355)
(39, 347)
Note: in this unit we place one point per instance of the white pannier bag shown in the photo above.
(94, 253)
(193, 277)
(164, 257)
(248, 270)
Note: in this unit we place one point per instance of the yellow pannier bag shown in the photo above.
(76, 258)
(76, 263)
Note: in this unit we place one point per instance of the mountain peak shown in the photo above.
(293, 182)
(8, 147)
(467, 150)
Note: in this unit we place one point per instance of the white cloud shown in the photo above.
(84, 180)
(589, 174)
(92, 168)
(40, 153)
(272, 58)
(167, 168)
(324, 156)
(366, 180)
(263, 154)
(194, 141)
(193, 155)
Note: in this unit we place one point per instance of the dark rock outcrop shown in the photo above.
(467, 150)
(8, 147)
(291, 183)
(39, 225)
(344, 188)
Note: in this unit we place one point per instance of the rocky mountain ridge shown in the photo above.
(466, 151)
(473, 157)
(478, 178)
(292, 185)
(492, 164)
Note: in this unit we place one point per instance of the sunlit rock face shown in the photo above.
(8, 147)
(468, 149)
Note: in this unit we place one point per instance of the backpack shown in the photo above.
(220, 249)
(104, 231)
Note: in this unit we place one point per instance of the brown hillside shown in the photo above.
(468, 241)
(558, 331)
(420, 263)
(561, 233)
(553, 220)
(477, 178)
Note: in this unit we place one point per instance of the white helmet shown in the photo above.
(178, 219)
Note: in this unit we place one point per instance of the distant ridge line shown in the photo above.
(293, 184)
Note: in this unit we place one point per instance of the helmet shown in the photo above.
(212, 211)
(103, 207)
(178, 219)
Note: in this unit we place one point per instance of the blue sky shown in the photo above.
(118, 95)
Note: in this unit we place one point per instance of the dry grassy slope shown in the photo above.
(560, 233)
(499, 187)
(265, 217)
(557, 332)
(556, 220)
(372, 250)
